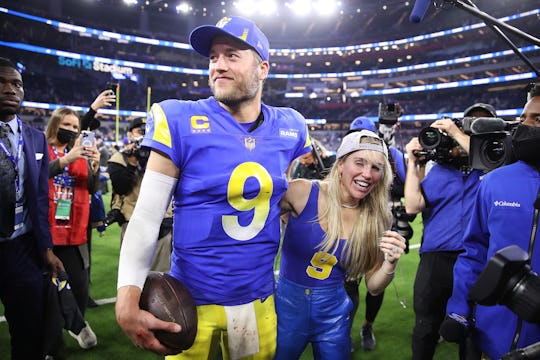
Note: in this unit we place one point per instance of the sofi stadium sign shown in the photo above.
(94, 65)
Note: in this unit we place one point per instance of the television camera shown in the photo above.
(389, 113)
(437, 145)
(490, 144)
(138, 150)
(509, 280)
(114, 216)
(134, 149)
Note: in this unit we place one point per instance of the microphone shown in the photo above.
(419, 10)
(484, 125)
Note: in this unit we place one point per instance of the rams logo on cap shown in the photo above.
(221, 23)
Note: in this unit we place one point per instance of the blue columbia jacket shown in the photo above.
(502, 216)
(449, 196)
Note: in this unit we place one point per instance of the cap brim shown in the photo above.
(351, 143)
(201, 38)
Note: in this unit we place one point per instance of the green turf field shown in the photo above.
(392, 329)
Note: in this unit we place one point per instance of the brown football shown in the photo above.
(168, 299)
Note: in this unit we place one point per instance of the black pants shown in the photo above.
(432, 289)
(77, 273)
(21, 292)
(373, 303)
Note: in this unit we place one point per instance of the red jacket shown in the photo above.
(72, 231)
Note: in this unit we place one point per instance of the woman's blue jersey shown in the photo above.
(302, 260)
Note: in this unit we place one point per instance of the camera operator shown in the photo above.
(313, 165)
(505, 213)
(400, 223)
(445, 197)
(126, 170)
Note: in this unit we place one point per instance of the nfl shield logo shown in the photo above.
(249, 143)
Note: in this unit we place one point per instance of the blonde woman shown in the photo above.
(337, 230)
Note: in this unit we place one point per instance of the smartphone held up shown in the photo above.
(112, 86)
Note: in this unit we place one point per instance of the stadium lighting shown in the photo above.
(326, 7)
(299, 7)
(293, 95)
(130, 2)
(182, 7)
(246, 7)
(268, 7)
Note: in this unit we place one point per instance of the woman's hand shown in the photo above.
(392, 245)
(93, 155)
(105, 98)
(75, 153)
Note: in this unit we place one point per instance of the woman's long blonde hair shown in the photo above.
(361, 251)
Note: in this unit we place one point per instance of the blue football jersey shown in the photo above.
(226, 204)
(302, 260)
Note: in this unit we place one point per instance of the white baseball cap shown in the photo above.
(353, 142)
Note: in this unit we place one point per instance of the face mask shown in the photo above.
(65, 136)
(387, 133)
(526, 144)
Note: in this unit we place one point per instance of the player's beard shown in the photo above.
(246, 90)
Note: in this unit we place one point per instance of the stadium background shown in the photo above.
(331, 69)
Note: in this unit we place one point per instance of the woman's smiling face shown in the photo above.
(360, 172)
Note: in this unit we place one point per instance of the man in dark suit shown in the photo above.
(25, 238)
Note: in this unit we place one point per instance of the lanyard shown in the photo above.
(65, 175)
(15, 159)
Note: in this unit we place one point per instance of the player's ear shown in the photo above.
(264, 69)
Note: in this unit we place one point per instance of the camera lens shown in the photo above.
(493, 151)
(523, 297)
(430, 138)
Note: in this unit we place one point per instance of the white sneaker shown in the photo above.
(86, 338)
